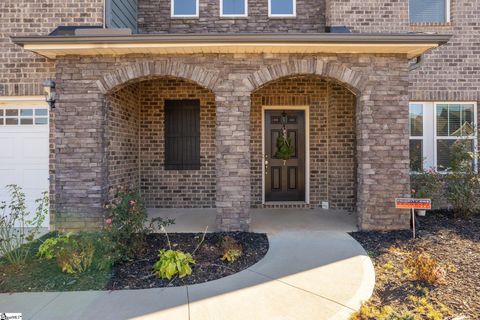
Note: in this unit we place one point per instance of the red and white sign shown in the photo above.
(411, 203)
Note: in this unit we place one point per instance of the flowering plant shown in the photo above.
(125, 222)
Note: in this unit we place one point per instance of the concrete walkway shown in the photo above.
(306, 274)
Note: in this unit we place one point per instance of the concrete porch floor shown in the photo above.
(263, 220)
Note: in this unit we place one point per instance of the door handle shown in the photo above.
(266, 164)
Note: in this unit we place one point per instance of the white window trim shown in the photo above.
(293, 15)
(436, 137)
(181, 16)
(447, 12)
(244, 15)
(430, 131)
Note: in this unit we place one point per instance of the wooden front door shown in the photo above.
(284, 178)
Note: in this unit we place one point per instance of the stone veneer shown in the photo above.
(381, 124)
(155, 17)
(332, 137)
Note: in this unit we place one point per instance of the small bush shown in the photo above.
(16, 230)
(426, 184)
(172, 263)
(126, 223)
(425, 268)
(76, 253)
(232, 250)
(462, 180)
(370, 312)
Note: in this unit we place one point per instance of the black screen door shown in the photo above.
(284, 171)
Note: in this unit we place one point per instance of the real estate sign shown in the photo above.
(410, 203)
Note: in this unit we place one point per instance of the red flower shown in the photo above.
(108, 221)
(132, 202)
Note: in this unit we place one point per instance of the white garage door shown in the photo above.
(24, 150)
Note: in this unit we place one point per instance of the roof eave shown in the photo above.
(411, 44)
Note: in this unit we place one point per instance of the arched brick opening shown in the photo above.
(331, 152)
(351, 79)
(149, 69)
(135, 143)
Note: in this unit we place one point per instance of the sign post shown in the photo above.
(412, 204)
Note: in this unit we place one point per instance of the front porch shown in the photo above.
(269, 221)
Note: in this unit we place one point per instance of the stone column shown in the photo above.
(233, 155)
(80, 165)
(383, 146)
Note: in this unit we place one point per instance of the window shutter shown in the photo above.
(428, 11)
(182, 134)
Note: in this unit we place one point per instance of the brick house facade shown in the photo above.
(107, 130)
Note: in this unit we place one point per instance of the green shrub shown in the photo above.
(16, 230)
(76, 253)
(462, 180)
(232, 250)
(126, 223)
(173, 262)
(426, 184)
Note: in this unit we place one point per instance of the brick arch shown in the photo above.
(113, 81)
(351, 79)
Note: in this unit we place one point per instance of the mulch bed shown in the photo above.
(454, 242)
(137, 274)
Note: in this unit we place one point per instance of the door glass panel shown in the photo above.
(41, 112)
(41, 120)
(26, 112)
(11, 121)
(26, 120)
(11, 112)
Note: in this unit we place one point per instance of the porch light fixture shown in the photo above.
(50, 93)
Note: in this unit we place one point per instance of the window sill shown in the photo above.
(430, 24)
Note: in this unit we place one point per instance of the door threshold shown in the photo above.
(267, 203)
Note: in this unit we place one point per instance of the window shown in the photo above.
(182, 134)
(184, 8)
(434, 128)
(233, 8)
(433, 11)
(281, 8)
(14, 116)
(454, 121)
(416, 137)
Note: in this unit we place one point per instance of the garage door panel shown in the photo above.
(24, 158)
(10, 176)
(35, 148)
(7, 148)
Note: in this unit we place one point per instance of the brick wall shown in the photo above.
(154, 17)
(21, 72)
(450, 72)
(332, 137)
(175, 188)
(123, 118)
(135, 144)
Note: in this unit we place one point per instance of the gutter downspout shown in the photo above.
(104, 14)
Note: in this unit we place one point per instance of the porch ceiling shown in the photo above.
(410, 44)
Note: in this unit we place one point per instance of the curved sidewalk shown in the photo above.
(305, 275)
